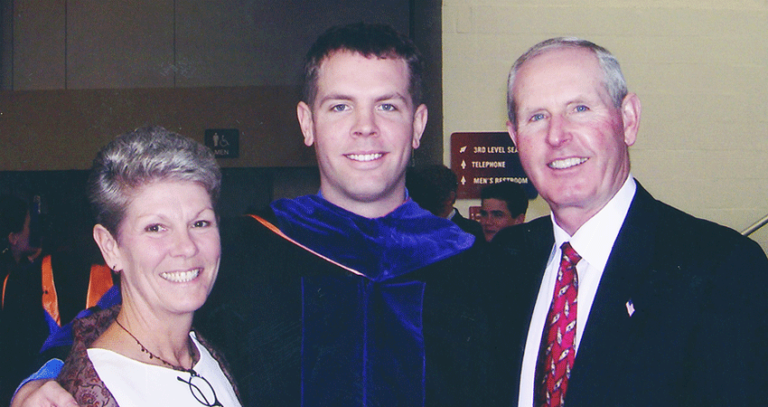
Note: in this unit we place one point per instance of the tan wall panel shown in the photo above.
(62, 130)
(38, 45)
(219, 45)
(120, 44)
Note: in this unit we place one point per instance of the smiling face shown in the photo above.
(363, 125)
(573, 142)
(168, 248)
(494, 216)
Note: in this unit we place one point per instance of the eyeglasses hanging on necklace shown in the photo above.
(200, 394)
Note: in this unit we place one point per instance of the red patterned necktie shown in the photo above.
(557, 351)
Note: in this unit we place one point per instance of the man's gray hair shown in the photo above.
(613, 79)
(141, 157)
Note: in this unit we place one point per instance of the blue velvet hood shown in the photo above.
(362, 335)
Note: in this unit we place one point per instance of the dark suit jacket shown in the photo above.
(469, 226)
(698, 335)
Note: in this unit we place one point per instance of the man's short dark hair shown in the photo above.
(13, 214)
(431, 186)
(510, 192)
(368, 40)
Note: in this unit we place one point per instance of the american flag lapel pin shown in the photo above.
(630, 307)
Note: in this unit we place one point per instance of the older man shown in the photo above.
(627, 301)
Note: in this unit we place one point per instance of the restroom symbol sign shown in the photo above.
(225, 143)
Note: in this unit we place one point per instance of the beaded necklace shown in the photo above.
(207, 399)
(152, 355)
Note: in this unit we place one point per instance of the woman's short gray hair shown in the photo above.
(613, 79)
(140, 157)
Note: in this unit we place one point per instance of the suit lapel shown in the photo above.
(538, 245)
(616, 320)
(528, 247)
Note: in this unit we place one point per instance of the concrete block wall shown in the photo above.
(700, 68)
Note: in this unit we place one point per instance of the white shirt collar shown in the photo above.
(594, 239)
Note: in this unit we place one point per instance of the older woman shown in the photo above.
(154, 195)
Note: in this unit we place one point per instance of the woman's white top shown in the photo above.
(137, 384)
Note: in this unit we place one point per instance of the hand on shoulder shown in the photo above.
(43, 393)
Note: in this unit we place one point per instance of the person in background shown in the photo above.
(434, 188)
(38, 304)
(16, 248)
(19, 259)
(501, 205)
(624, 300)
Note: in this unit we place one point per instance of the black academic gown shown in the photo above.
(255, 316)
(469, 226)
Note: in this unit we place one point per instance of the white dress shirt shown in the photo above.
(593, 242)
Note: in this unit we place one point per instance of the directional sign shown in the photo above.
(481, 159)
